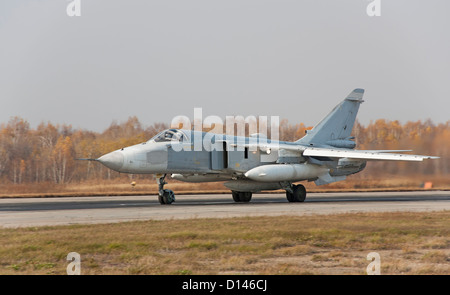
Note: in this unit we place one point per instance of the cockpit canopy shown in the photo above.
(170, 135)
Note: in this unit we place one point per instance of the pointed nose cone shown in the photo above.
(112, 160)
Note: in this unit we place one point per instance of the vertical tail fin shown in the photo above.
(338, 124)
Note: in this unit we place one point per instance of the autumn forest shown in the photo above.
(47, 153)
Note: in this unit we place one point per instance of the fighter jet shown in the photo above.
(251, 164)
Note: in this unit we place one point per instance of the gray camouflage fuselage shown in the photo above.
(250, 164)
(221, 158)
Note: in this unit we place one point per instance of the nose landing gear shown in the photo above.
(165, 196)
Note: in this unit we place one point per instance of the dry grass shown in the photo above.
(408, 243)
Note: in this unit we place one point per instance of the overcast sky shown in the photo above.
(159, 59)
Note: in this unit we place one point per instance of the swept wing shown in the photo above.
(363, 155)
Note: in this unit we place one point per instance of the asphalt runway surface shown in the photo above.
(23, 212)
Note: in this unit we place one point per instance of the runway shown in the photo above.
(23, 212)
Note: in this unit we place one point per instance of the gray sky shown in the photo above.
(159, 59)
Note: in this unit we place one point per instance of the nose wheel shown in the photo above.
(165, 196)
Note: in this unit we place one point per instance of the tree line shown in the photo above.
(47, 153)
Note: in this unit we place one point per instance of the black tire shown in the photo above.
(235, 196)
(241, 197)
(299, 194)
(245, 197)
(161, 200)
(167, 198)
(289, 196)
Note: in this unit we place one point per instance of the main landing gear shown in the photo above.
(241, 197)
(296, 193)
(165, 196)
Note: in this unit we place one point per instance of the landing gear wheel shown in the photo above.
(245, 197)
(235, 196)
(289, 196)
(241, 197)
(165, 196)
(298, 194)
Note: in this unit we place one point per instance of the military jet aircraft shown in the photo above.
(251, 164)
